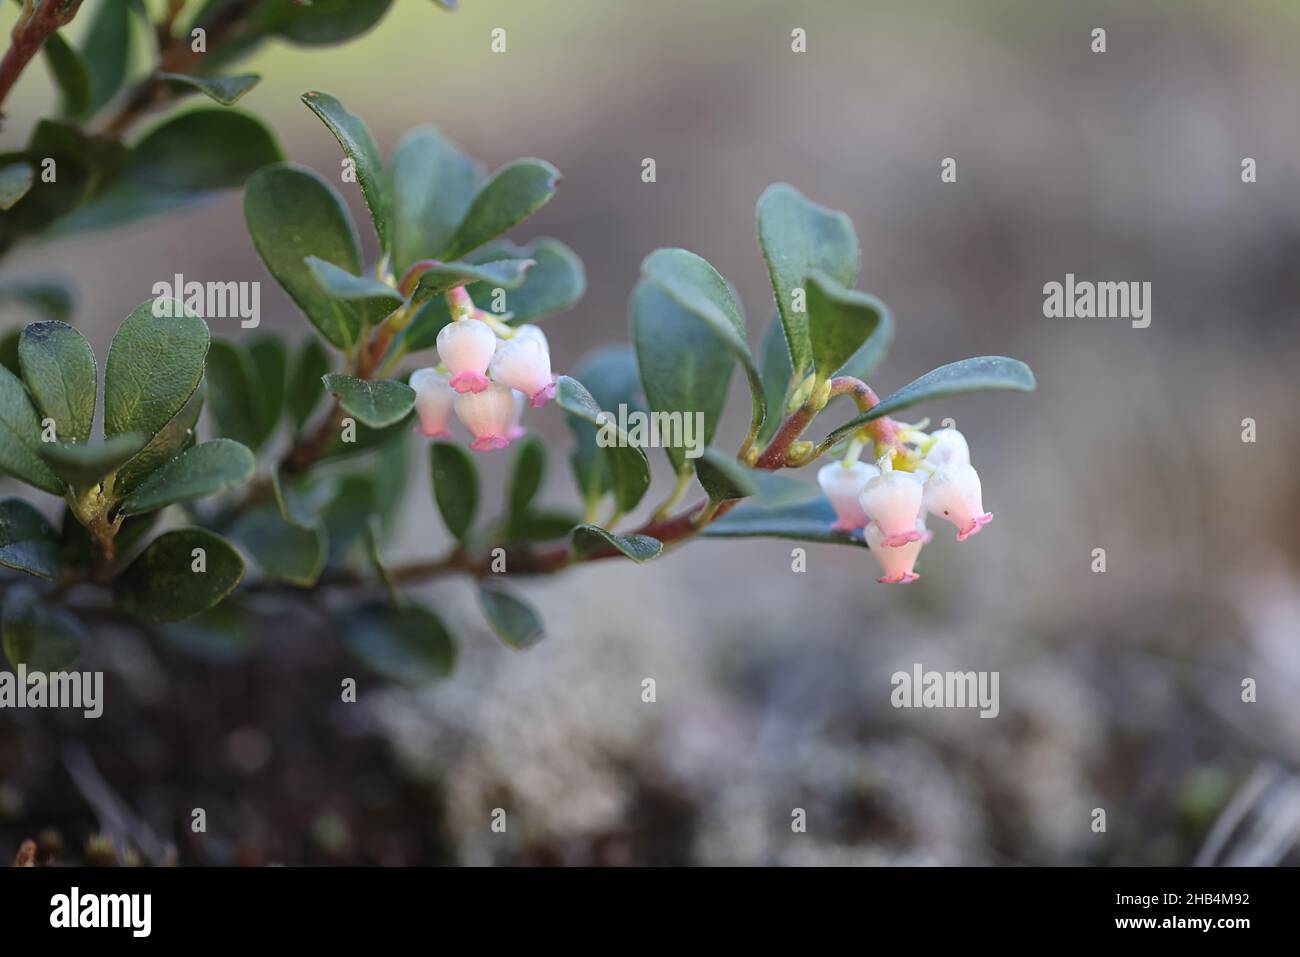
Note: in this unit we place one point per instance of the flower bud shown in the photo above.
(842, 484)
(892, 500)
(466, 347)
(896, 562)
(524, 363)
(953, 493)
(487, 415)
(433, 402)
(949, 448)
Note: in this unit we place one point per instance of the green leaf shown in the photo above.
(776, 373)
(292, 213)
(196, 473)
(44, 298)
(979, 374)
(324, 22)
(176, 436)
(371, 299)
(840, 322)
(43, 638)
(87, 464)
(107, 50)
(629, 472)
(179, 162)
(510, 195)
(226, 90)
(183, 572)
(869, 356)
(410, 644)
(70, 75)
(347, 515)
(553, 284)
(514, 620)
(437, 280)
(154, 365)
(301, 502)
(270, 358)
(20, 437)
(359, 145)
(685, 368)
(61, 373)
(303, 391)
(284, 551)
(808, 521)
(27, 542)
(589, 540)
(542, 525)
(374, 403)
(611, 376)
(723, 477)
(432, 185)
(15, 181)
(455, 486)
(526, 479)
(233, 382)
(701, 291)
(798, 237)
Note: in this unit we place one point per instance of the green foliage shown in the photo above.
(589, 540)
(377, 404)
(628, 470)
(514, 620)
(455, 486)
(182, 573)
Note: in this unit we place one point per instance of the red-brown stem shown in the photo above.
(31, 36)
(884, 430)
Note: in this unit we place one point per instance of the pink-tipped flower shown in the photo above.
(487, 415)
(949, 448)
(842, 484)
(953, 493)
(524, 363)
(892, 500)
(466, 347)
(517, 431)
(896, 562)
(433, 402)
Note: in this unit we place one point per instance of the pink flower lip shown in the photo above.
(516, 432)
(974, 525)
(435, 434)
(903, 579)
(489, 443)
(543, 395)
(469, 382)
(899, 539)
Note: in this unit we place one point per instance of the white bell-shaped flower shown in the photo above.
(466, 347)
(897, 562)
(524, 363)
(433, 402)
(892, 500)
(487, 415)
(953, 493)
(949, 448)
(516, 430)
(842, 484)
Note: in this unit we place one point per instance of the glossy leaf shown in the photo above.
(809, 521)
(410, 644)
(88, 463)
(371, 299)
(510, 195)
(723, 477)
(437, 280)
(592, 539)
(154, 365)
(106, 50)
(324, 22)
(979, 374)
(629, 472)
(20, 437)
(526, 479)
(515, 621)
(455, 486)
(183, 572)
(176, 436)
(71, 76)
(292, 213)
(226, 90)
(799, 237)
(374, 403)
(359, 145)
(685, 368)
(204, 470)
(555, 282)
(61, 374)
(27, 542)
(840, 322)
(432, 184)
(43, 637)
(234, 383)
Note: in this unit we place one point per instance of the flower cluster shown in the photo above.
(489, 373)
(889, 501)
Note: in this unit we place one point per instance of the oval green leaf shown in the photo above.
(196, 473)
(41, 637)
(510, 195)
(455, 486)
(359, 145)
(27, 542)
(182, 573)
(375, 403)
(61, 373)
(629, 472)
(589, 540)
(513, 620)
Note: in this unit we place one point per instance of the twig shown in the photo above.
(34, 26)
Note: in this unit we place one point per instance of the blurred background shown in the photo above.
(1120, 691)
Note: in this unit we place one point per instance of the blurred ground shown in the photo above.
(1119, 691)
